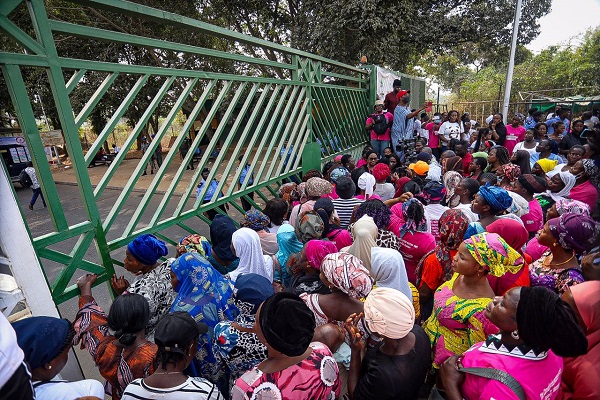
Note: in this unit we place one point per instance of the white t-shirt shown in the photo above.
(433, 213)
(466, 209)
(450, 130)
(521, 146)
(61, 390)
(34, 180)
(191, 389)
(11, 355)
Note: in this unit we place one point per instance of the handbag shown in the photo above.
(489, 373)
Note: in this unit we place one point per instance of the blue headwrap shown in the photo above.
(249, 292)
(147, 249)
(221, 231)
(496, 197)
(41, 338)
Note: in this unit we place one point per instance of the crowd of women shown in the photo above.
(442, 278)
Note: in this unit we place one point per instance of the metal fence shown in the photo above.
(279, 115)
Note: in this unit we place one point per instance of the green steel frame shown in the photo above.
(314, 114)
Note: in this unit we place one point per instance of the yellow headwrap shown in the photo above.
(492, 252)
(547, 164)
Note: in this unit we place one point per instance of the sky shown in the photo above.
(566, 23)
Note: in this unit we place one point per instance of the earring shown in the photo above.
(515, 334)
(554, 244)
(49, 367)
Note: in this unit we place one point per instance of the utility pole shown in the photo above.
(511, 61)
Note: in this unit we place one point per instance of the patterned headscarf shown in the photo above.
(316, 250)
(414, 217)
(510, 171)
(592, 170)
(564, 206)
(453, 226)
(256, 220)
(574, 232)
(533, 184)
(317, 187)
(194, 244)
(309, 226)
(302, 196)
(492, 252)
(519, 205)
(289, 192)
(496, 197)
(547, 164)
(451, 181)
(337, 173)
(433, 191)
(348, 274)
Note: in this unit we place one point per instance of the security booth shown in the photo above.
(15, 155)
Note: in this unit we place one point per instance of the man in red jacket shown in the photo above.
(391, 99)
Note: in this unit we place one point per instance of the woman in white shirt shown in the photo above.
(450, 129)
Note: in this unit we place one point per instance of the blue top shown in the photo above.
(245, 171)
(211, 189)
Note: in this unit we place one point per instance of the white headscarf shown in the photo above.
(246, 243)
(519, 205)
(388, 270)
(569, 181)
(367, 182)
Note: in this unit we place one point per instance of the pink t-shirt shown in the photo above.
(513, 136)
(434, 140)
(539, 376)
(413, 247)
(586, 193)
(534, 249)
(372, 197)
(386, 136)
(534, 220)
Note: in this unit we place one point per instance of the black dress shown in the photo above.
(395, 377)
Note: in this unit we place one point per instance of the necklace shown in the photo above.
(557, 264)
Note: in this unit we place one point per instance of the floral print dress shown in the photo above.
(557, 280)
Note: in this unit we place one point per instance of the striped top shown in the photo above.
(345, 208)
(191, 389)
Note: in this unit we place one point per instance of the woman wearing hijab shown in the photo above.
(331, 224)
(246, 245)
(314, 188)
(294, 365)
(364, 232)
(259, 222)
(46, 342)
(451, 181)
(587, 177)
(366, 184)
(435, 267)
(235, 341)
(515, 235)
(415, 241)
(387, 269)
(288, 245)
(206, 295)
(349, 282)
(566, 237)
(152, 278)
(559, 188)
(117, 341)
(562, 206)
(581, 374)
(396, 367)
(305, 275)
(537, 329)
(458, 320)
(221, 257)
(490, 202)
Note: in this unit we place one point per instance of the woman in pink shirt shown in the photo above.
(537, 328)
(515, 133)
(587, 175)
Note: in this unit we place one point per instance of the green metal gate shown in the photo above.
(300, 104)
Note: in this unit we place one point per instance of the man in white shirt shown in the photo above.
(35, 186)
